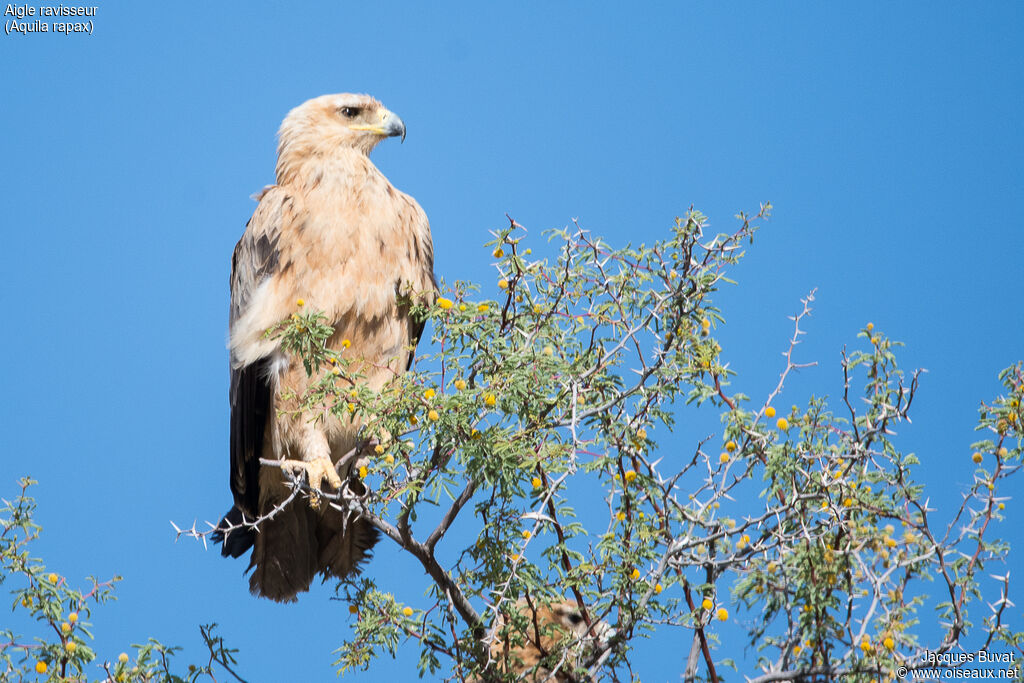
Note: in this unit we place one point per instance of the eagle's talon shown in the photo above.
(317, 471)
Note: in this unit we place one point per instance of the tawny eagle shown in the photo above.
(556, 636)
(336, 234)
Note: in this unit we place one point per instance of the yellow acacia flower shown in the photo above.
(977, 457)
(658, 588)
(527, 533)
(730, 446)
(723, 458)
(123, 657)
(300, 303)
(53, 578)
(389, 459)
(407, 611)
(621, 516)
(635, 574)
(499, 252)
(444, 303)
(536, 482)
(889, 643)
(722, 614)
(362, 472)
(429, 394)
(707, 604)
(483, 308)
(70, 646)
(65, 627)
(378, 449)
(460, 384)
(490, 400)
(503, 284)
(346, 343)
(769, 412)
(782, 423)
(630, 476)
(40, 667)
(433, 416)
(352, 609)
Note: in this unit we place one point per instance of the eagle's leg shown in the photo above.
(317, 472)
(316, 461)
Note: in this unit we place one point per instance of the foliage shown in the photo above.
(60, 650)
(541, 412)
(537, 424)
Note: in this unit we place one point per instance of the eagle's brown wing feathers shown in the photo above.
(251, 393)
(416, 326)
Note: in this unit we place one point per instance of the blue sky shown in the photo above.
(888, 137)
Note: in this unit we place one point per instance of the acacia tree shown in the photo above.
(537, 422)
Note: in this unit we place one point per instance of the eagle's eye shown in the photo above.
(350, 112)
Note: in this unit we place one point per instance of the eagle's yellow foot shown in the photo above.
(317, 472)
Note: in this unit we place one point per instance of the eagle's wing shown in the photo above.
(255, 260)
(427, 284)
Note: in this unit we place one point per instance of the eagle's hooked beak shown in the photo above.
(390, 126)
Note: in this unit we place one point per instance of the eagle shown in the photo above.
(556, 636)
(332, 235)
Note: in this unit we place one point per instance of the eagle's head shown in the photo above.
(542, 635)
(328, 123)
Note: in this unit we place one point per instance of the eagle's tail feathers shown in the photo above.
(344, 544)
(284, 555)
